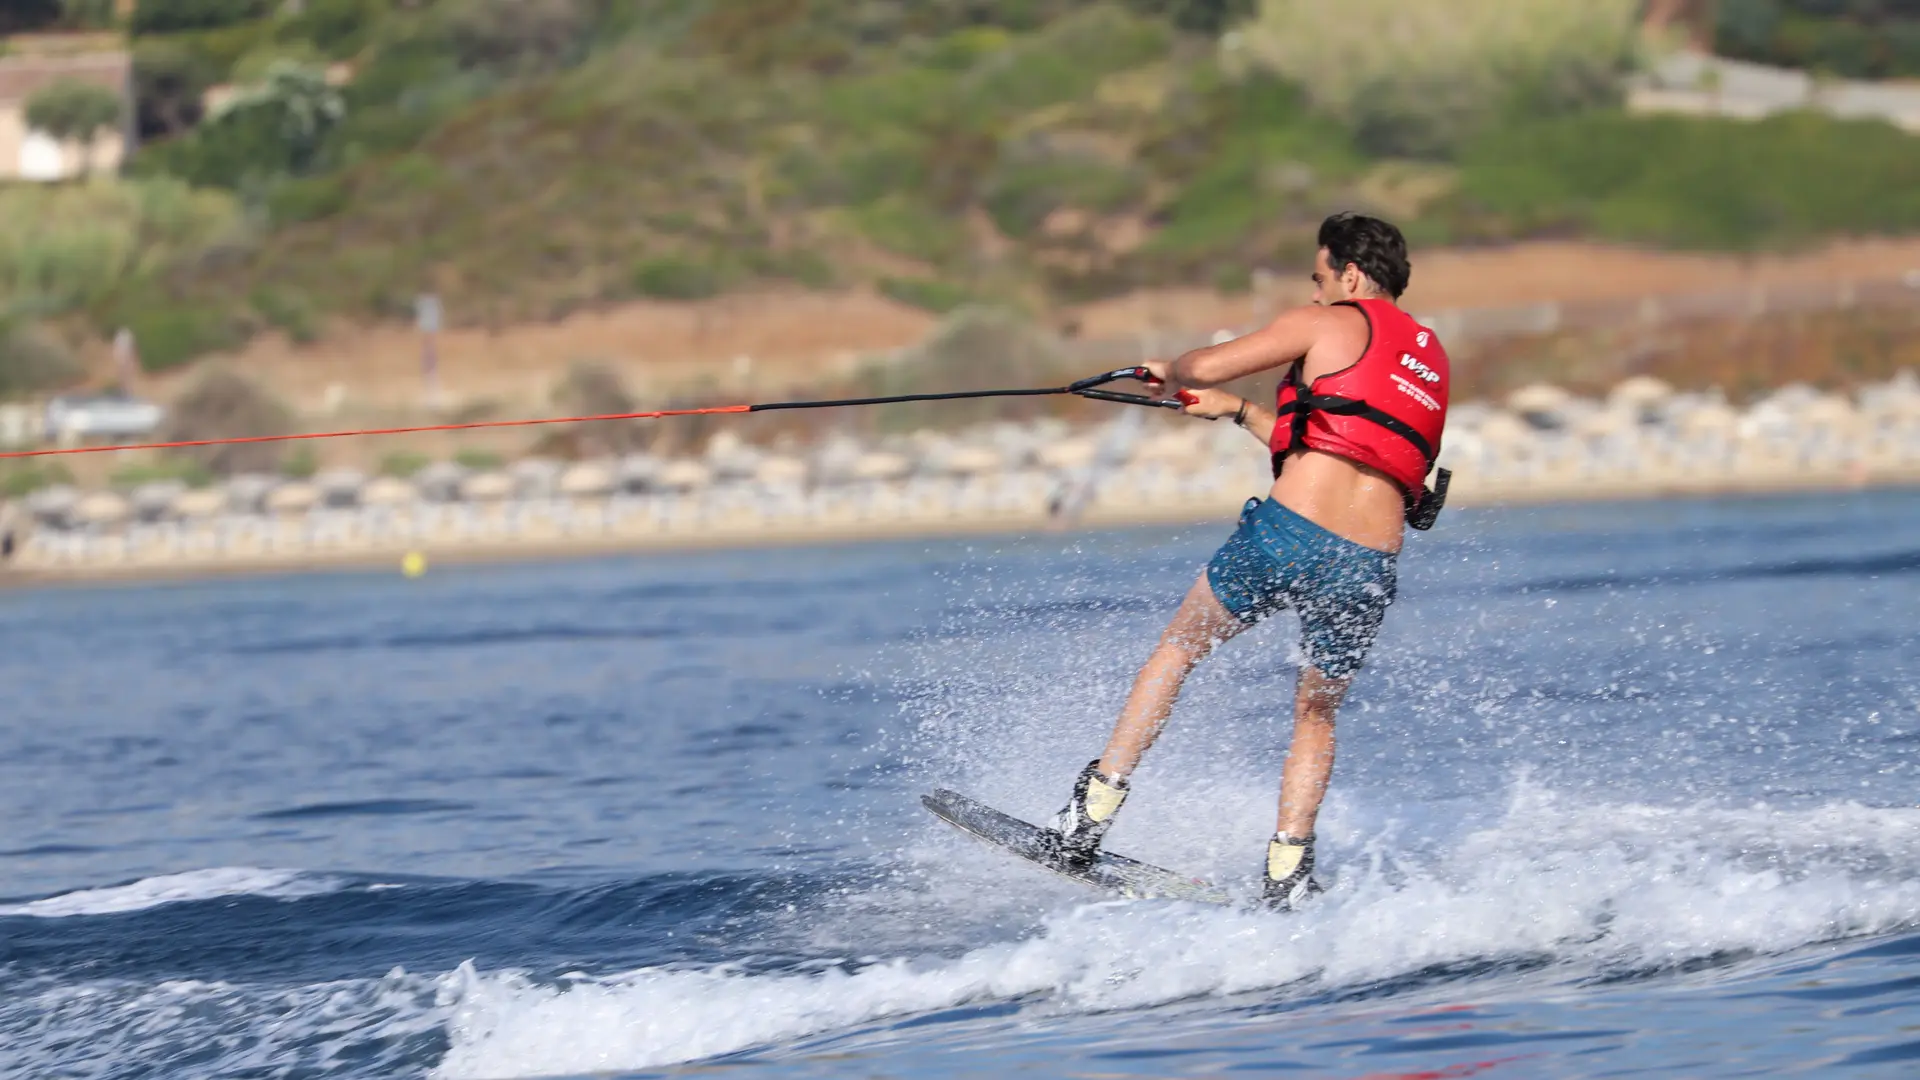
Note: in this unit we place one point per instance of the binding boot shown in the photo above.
(1289, 877)
(1088, 815)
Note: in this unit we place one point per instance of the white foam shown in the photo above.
(1586, 888)
(370, 1027)
(192, 885)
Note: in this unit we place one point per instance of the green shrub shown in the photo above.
(260, 61)
(1233, 278)
(64, 247)
(414, 172)
(22, 480)
(242, 144)
(186, 470)
(675, 277)
(402, 464)
(935, 131)
(1247, 157)
(472, 457)
(1209, 111)
(400, 68)
(1871, 41)
(1903, 48)
(222, 49)
(1063, 62)
(1249, 182)
(1423, 79)
(307, 198)
(516, 36)
(804, 266)
(1204, 16)
(300, 463)
(89, 14)
(1217, 209)
(1699, 182)
(27, 15)
(593, 388)
(1020, 194)
(69, 109)
(869, 169)
(33, 361)
(170, 82)
(965, 47)
(380, 130)
(757, 36)
(886, 101)
(905, 226)
(223, 404)
(338, 28)
(936, 296)
(173, 16)
(286, 311)
(171, 332)
(271, 130)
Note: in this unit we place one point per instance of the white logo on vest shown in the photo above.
(1426, 374)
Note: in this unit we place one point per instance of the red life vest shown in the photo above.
(1386, 410)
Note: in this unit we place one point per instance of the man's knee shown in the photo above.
(1319, 694)
(1184, 647)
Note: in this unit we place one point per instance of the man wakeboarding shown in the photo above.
(1353, 435)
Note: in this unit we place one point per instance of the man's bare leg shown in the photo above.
(1303, 783)
(1199, 625)
(1309, 767)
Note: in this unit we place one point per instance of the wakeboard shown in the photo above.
(1113, 873)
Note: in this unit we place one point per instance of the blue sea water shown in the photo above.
(1626, 790)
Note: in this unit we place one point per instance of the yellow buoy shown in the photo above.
(413, 564)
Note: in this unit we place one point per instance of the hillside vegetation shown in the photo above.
(526, 158)
(1856, 39)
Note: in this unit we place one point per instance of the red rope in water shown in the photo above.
(656, 414)
(1084, 388)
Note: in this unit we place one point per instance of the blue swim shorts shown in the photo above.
(1277, 559)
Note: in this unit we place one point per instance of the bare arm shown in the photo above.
(1279, 343)
(1214, 404)
(1260, 423)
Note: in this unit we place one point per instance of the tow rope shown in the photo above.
(1086, 388)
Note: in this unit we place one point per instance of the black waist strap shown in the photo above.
(1422, 505)
(1303, 406)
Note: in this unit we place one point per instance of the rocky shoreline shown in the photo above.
(1542, 444)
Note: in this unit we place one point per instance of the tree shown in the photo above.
(1204, 16)
(74, 111)
(169, 83)
(31, 16)
(174, 16)
(307, 107)
(269, 130)
(22, 15)
(1697, 19)
(85, 14)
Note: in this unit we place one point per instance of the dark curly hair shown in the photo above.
(1374, 246)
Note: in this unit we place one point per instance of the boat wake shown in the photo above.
(194, 885)
(1552, 895)
(1595, 894)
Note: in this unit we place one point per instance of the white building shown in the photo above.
(34, 62)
